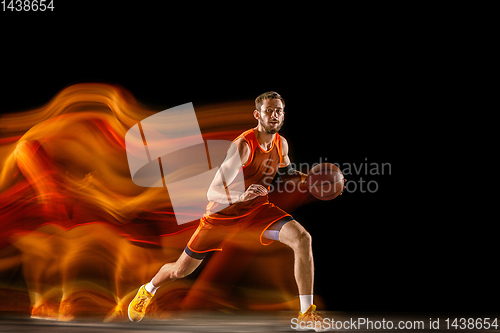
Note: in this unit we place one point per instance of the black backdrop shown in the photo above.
(353, 95)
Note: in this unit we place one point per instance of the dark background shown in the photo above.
(355, 89)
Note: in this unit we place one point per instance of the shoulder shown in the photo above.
(243, 149)
(284, 145)
(247, 135)
(241, 143)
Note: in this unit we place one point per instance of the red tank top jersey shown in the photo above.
(260, 169)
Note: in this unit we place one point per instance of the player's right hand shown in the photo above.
(253, 191)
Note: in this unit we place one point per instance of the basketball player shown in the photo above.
(261, 151)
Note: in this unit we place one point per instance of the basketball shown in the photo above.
(325, 181)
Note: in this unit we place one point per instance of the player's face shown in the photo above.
(271, 115)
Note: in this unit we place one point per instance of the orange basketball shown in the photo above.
(325, 181)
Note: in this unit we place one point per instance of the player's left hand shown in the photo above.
(253, 191)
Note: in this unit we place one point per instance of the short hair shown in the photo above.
(267, 95)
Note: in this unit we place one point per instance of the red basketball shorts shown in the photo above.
(211, 233)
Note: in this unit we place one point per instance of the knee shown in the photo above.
(179, 273)
(303, 242)
(306, 239)
(182, 269)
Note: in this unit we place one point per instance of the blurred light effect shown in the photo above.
(78, 237)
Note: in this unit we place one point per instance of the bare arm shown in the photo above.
(237, 156)
(286, 159)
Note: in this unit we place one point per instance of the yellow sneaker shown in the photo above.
(137, 308)
(310, 320)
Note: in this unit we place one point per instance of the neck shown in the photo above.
(265, 140)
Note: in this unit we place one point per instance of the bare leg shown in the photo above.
(295, 236)
(184, 266)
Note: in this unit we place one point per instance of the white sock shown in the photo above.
(151, 288)
(305, 302)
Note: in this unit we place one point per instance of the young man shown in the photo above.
(259, 152)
